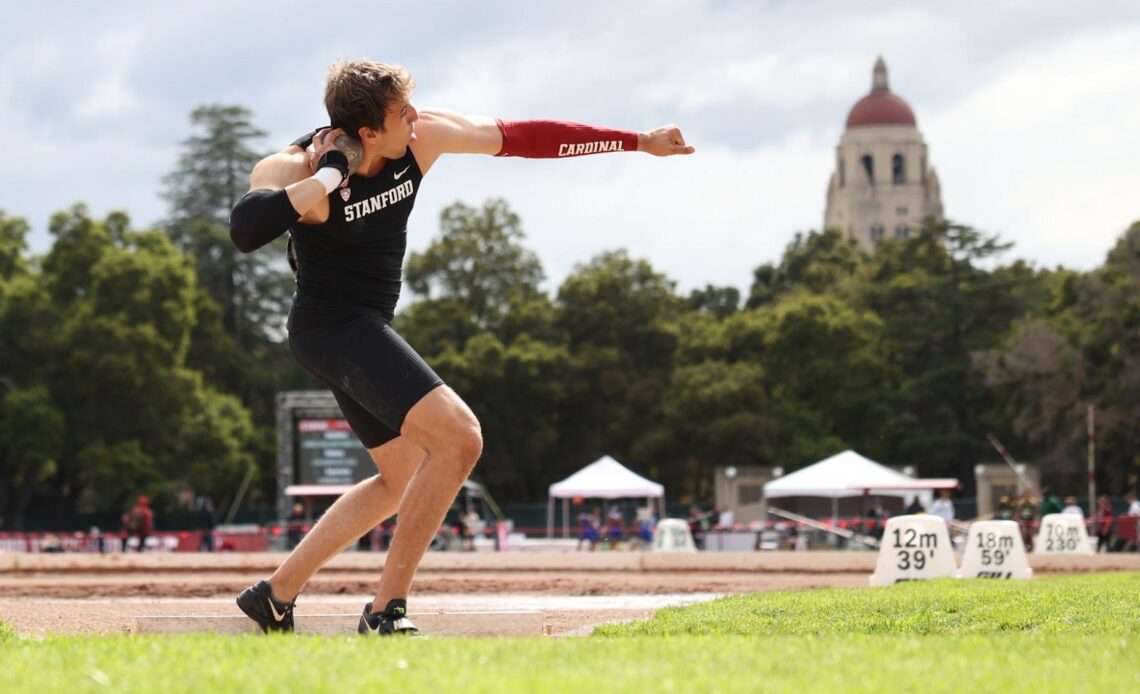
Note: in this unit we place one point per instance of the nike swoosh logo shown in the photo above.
(397, 176)
(276, 615)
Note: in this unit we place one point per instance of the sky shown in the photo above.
(1029, 109)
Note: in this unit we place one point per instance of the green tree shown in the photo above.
(619, 317)
(211, 176)
(98, 377)
(939, 307)
(516, 390)
(478, 262)
(827, 371)
(238, 342)
(487, 329)
(1080, 350)
(719, 301)
(31, 431)
(817, 262)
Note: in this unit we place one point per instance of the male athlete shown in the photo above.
(345, 202)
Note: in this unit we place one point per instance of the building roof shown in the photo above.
(881, 106)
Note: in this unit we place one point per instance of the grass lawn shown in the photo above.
(1052, 634)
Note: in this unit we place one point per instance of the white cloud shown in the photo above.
(1028, 108)
(787, 80)
(1045, 152)
(107, 97)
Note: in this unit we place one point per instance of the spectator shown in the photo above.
(296, 527)
(1133, 504)
(384, 534)
(588, 525)
(1104, 521)
(50, 544)
(1027, 519)
(1004, 509)
(142, 521)
(643, 536)
(124, 531)
(798, 538)
(204, 510)
(1072, 507)
(876, 520)
(471, 524)
(98, 542)
(1050, 502)
(698, 525)
(615, 526)
(727, 519)
(943, 507)
(915, 507)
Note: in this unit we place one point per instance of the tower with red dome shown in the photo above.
(883, 185)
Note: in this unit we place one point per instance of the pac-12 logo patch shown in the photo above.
(345, 194)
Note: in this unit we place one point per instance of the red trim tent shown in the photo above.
(849, 474)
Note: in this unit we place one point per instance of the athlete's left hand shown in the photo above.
(663, 142)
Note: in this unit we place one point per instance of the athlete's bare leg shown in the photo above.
(444, 426)
(358, 511)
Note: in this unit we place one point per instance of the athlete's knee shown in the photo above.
(463, 439)
(445, 427)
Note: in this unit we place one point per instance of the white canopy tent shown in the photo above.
(605, 478)
(849, 474)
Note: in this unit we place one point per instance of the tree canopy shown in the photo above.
(147, 361)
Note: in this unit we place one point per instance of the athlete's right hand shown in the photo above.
(326, 140)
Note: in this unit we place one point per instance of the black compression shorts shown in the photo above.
(375, 376)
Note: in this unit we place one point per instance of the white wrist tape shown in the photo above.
(329, 177)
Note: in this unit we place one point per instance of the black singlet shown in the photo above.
(355, 258)
(348, 282)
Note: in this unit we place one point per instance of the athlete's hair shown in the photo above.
(359, 92)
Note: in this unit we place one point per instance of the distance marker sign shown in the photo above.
(913, 548)
(994, 550)
(1063, 533)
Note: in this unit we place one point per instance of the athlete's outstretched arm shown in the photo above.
(440, 131)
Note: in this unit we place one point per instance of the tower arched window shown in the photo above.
(898, 169)
(869, 168)
(842, 173)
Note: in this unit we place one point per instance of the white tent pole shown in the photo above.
(834, 510)
(565, 517)
(550, 517)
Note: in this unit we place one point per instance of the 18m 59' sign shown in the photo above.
(329, 453)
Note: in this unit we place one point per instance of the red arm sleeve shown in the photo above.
(551, 139)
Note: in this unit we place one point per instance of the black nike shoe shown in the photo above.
(391, 621)
(258, 603)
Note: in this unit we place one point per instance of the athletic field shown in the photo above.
(1059, 632)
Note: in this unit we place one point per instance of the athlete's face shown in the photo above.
(397, 134)
(399, 128)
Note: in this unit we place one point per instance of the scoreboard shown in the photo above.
(329, 453)
(318, 456)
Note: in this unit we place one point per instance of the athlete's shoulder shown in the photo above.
(440, 131)
(446, 119)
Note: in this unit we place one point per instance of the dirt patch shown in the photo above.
(87, 594)
(88, 603)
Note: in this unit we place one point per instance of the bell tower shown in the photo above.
(883, 185)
